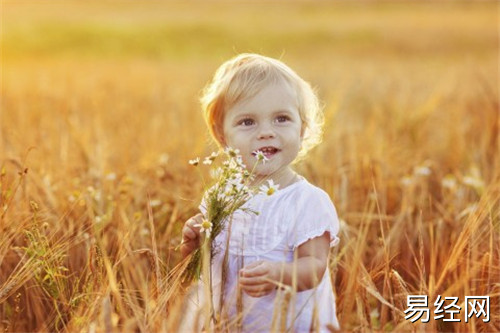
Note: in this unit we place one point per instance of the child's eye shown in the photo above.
(282, 119)
(246, 122)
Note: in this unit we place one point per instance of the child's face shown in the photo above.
(269, 122)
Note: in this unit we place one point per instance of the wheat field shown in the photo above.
(99, 116)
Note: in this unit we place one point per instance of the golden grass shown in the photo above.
(99, 116)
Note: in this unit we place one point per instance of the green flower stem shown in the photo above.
(207, 280)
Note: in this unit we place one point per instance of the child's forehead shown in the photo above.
(243, 92)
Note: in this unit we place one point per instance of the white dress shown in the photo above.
(285, 220)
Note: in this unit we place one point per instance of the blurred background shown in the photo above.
(127, 73)
(100, 114)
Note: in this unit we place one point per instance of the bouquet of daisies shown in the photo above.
(228, 193)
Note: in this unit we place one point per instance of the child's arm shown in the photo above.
(191, 235)
(261, 277)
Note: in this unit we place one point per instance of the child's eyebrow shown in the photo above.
(243, 115)
(250, 113)
(285, 112)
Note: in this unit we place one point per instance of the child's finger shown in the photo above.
(193, 225)
(257, 291)
(197, 219)
(251, 281)
(254, 269)
(188, 233)
(256, 288)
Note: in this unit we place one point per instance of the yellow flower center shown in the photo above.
(271, 191)
(206, 224)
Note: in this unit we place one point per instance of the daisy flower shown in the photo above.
(259, 155)
(270, 188)
(231, 152)
(195, 162)
(236, 185)
(213, 156)
(205, 227)
(216, 173)
(209, 159)
(239, 162)
(228, 194)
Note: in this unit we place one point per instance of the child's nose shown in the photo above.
(266, 132)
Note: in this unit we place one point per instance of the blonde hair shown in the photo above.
(243, 77)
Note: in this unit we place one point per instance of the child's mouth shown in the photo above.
(267, 151)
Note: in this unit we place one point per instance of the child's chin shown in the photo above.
(264, 170)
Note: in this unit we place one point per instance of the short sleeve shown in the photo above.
(314, 214)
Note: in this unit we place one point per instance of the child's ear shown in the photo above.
(222, 140)
(218, 135)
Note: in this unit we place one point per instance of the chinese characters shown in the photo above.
(447, 308)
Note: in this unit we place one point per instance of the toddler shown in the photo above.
(277, 260)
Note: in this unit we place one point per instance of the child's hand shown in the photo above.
(191, 235)
(259, 278)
